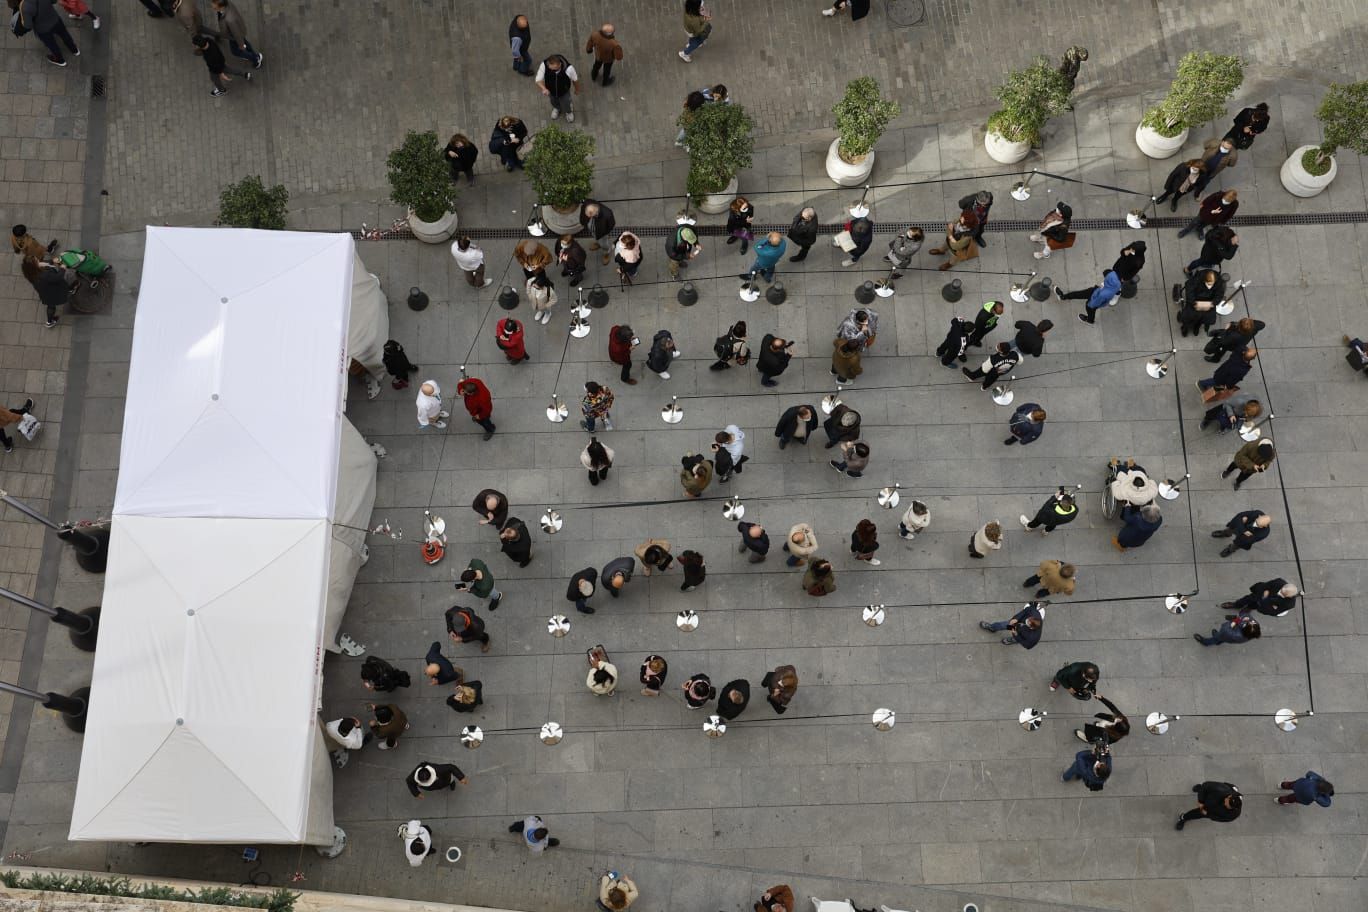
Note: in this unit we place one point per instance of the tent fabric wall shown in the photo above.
(355, 501)
(369, 328)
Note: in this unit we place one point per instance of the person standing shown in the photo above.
(348, 735)
(1140, 523)
(985, 321)
(860, 326)
(1053, 232)
(1226, 378)
(695, 474)
(977, 204)
(1053, 577)
(541, 294)
(460, 155)
(754, 539)
(858, 10)
(1026, 626)
(1313, 788)
(571, 257)
(516, 542)
(1216, 209)
(581, 589)
(479, 403)
(1227, 416)
(617, 573)
(10, 417)
(219, 70)
(1249, 123)
(433, 777)
(1180, 182)
(695, 572)
(1030, 337)
(732, 699)
(42, 17)
(654, 668)
(380, 676)
(621, 341)
(1201, 294)
(914, 521)
(1273, 598)
(507, 139)
(774, 358)
(1093, 769)
(616, 892)
(596, 406)
(1059, 510)
(780, 685)
(1221, 244)
(728, 448)
(470, 259)
(1217, 155)
(234, 29)
(417, 838)
(1238, 629)
(768, 252)
(662, 353)
(1129, 262)
(956, 343)
(1236, 336)
(731, 347)
(603, 675)
(52, 288)
(1218, 801)
(841, 426)
(864, 541)
(1255, 456)
(520, 43)
(430, 411)
(597, 222)
(477, 579)
(803, 232)
(778, 898)
(24, 244)
(999, 364)
(903, 248)
(598, 459)
(389, 723)
(511, 340)
(845, 360)
(465, 626)
(739, 217)
(654, 554)
(681, 246)
(820, 578)
(852, 459)
(606, 49)
(800, 544)
(627, 254)
(492, 507)
(535, 835)
(986, 539)
(1026, 424)
(1110, 727)
(698, 691)
(859, 235)
(1078, 678)
(698, 26)
(797, 423)
(959, 241)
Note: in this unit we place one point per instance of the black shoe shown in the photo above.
(515, 827)
(1227, 551)
(1041, 593)
(1180, 824)
(797, 259)
(782, 444)
(525, 563)
(587, 609)
(28, 407)
(733, 239)
(1222, 533)
(1237, 484)
(1196, 789)
(494, 604)
(553, 841)
(1058, 294)
(769, 383)
(593, 478)
(1009, 441)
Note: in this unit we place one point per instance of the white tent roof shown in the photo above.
(202, 720)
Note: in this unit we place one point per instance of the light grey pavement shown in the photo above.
(956, 802)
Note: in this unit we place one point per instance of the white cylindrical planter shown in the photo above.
(843, 172)
(1156, 145)
(558, 222)
(432, 232)
(1004, 150)
(718, 202)
(1297, 181)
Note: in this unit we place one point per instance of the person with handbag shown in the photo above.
(739, 217)
(1180, 182)
(1078, 678)
(511, 340)
(861, 326)
(959, 241)
(854, 240)
(731, 348)
(955, 346)
(781, 686)
(572, 258)
(1026, 424)
(1110, 727)
(1216, 209)
(627, 255)
(10, 417)
(695, 572)
(507, 139)
(662, 354)
(820, 578)
(1054, 233)
(1357, 356)
(1225, 381)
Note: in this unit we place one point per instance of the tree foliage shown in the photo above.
(1198, 94)
(249, 204)
(862, 115)
(559, 168)
(1030, 97)
(419, 178)
(1343, 114)
(720, 143)
(279, 900)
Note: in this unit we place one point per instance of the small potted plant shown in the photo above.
(1343, 114)
(861, 118)
(719, 140)
(248, 204)
(562, 176)
(1030, 97)
(1198, 94)
(421, 181)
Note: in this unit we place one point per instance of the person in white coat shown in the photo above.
(417, 841)
(348, 735)
(430, 411)
(915, 520)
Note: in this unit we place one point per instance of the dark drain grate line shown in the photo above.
(934, 228)
(97, 87)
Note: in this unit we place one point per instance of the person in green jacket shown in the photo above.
(479, 582)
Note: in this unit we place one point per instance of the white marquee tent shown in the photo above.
(227, 576)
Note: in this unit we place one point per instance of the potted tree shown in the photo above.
(1030, 97)
(249, 204)
(1198, 94)
(420, 180)
(1343, 114)
(720, 143)
(561, 174)
(861, 118)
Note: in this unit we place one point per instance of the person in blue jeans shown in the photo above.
(1313, 788)
(1239, 629)
(235, 30)
(1026, 626)
(520, 43)
(1093, 770)
(698, 25)
(767, 253)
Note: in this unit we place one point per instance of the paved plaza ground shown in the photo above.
(957, 802)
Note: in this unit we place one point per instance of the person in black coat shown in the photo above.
(581, 589)
(492, 506)
(1249, 123)
(465, 626)
(841, 425)
(572, 258)
(598, 222)
(381, 676)
(1218, 801)
(52, 290)
(473, 694)
(1221, 244)
(1130, 261)
(985, 321)
(432, 777)
(999, 363)
(460, 156)
(506, 139)
(797, 423)
(862, 234)
(691, 562)
(732, 699)
(1247, 529)
(979, 204)
(1235, 337)
(956, 342)
(1274, 598)
(1189, 173)
(515, 541)
(1030, 337)
(803, 232)
(1202, 292)
(1231, 371)
(773, 359)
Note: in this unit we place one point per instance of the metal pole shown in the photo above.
(73, 708)
(83, 627)
(29, 511)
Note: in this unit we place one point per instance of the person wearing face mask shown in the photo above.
(1217, 155)
(606, 49)
(1180, 182)
(1201, 294)
(1217, 209)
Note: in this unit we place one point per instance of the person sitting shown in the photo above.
(1132, 485)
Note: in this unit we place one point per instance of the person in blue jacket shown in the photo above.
(1092, 769)
(1097, 296)
(1026, 424)
(767, 254)
(1313, 788)
(1025, 626)
(1140, 524)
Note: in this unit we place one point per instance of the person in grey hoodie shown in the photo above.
(47, 24)
(235, 30)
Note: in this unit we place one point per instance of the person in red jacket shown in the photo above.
(621, 341)
(508, 335)
(478, 402)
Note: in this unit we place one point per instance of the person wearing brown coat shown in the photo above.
(776, 899)
(9, 417)
(845, 360)
(604, 45)
(1255, 456)
(389, 723)
(25, 244)
(820, 579)
(1053, 577)
(780, 684)
(695, 474)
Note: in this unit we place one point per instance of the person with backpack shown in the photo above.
(731, 347)
(42, 18)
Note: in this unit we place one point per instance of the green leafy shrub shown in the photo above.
(249, 204)
(1030, 97)
(1343, 114)
(720, 143)
(558, 166)
(419, 177)
(1198, 94)
(861, 118)
(280, 900)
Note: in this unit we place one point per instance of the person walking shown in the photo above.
(1218, 801)
(739, 217)
(477, 579)
(1238, 629)
(232, 27)
(698, 691)
(864, 541)
(1227, 415)
(999, 364)
(780, 685)
(695, 474)
(187, 16)
(697, 25)
(417, 839)
(1025, 627)
(596, 406)
(774, 358)
(654, 554)
(914, 521)
(860, 326)
(511, 340)
(985, 321)
(1217, 155)
(598, 459)
(616, 892)
(728, 449)
(732, 347)
(460, 155)
(681, 246)
(1110, 727)
(903, 248)
(1216, 209)
(662, 354)
(1139, 524)
(1030, 337)
(1255, 456)
(1201, 294)
(1273, 598)
(755, 540)
(858, 10)
(1180, 182)
(535, 835)
(768, 252)
(956, 343)
(438, 667)
(467, 696)
(1221, 244)
(1313, 788)
(515, 541)
(607, 50)
(42, 18)
(1092, 768)
(430, 411)
(959, 241)
(389, 723)
(571, 257)
(1129, 262)
(803, 232)
(492, 507)
(1053, 232)
(800, 544)
(695, 572)
(397, 364)
(977, 205)
(621, 341)
(470, 259)
(465, 626)
(1236, 336)
(581, 589)
(855, 239)
(541, 294)
(654, 668)
(986, 539)
(1054, 577)
(603, 674)
(1059, 510)
(798, 423)
(1026, 424)
(520, 43)
(1097, 296)
(380, 676)
(1225, 380)
(479, 403)
(820, 577)
(852, 458)
(597, 222)
(732, 699)
(1249, 123)
(841, 426)
(1078, 678)
(10, 417)
(433, 777)
(220, 71)
(506, 141)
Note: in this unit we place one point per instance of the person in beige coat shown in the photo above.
(987, 538)
(1053, 577)
(800, 544)
(603, 674)
(654, 553)
(616, 892)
